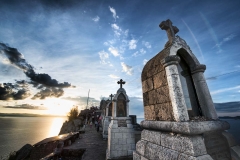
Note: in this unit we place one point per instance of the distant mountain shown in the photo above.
(228, 107)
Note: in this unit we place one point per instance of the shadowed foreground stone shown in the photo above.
(23, 152)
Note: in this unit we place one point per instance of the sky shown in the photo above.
(53, 52)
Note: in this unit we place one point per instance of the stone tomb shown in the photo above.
(107, 118)
(180, 118)
(121, 136)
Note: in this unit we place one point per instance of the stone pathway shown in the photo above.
(94, 144)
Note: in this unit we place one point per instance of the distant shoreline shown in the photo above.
(27, 115)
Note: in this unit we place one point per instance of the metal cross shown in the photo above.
(121, 82)
(111, 96)
(171, 30)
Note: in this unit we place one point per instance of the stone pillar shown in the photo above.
(106, 122)
(203, 93)
(175, 88)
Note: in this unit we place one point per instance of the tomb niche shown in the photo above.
(107, 118)
(180, 118)
(121, 136)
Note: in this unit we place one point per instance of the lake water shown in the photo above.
(18, 131)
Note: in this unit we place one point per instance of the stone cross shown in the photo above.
(121, 82)
(111, 96)
(171, 30)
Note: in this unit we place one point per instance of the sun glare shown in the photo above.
(58, 106)
(56, 126)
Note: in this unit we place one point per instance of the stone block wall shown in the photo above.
(121, 140)
(157, 104)
(166, 145)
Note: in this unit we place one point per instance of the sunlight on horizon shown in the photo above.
(58, 106)
(56, 126)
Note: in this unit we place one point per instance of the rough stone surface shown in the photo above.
(217, 145)
(230, 139)
(176, 94)
(188, 128)
(160, 79)
(151, 136)
(190, 145)
(149, 112)
(183, 156)
(136, 156)
(24, 152)
(235, 152)
(140, 147)
(204, 96)
(147, 85)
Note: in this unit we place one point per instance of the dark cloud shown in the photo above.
(45, 79)
(47, 4)
(41, 80)
(12, 91)
(15, 57)
(26, 106)
(49, 92)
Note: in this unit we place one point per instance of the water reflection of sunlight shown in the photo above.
(56, 126)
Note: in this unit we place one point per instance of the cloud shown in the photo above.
(142, 51)
(115, 26)
(114, 51)
(26, 106)
(10, 91)
(139, 53)
(45, 79)
(82, 101)
(96, 19)
(145, 61)
(113, 76)
(103, 57)
(132, 44)
(146, 44)
(226, 39)
(49, 92)
(113, 12)
(225, 89)
(127, 69)
(17, 59)
(117, 30)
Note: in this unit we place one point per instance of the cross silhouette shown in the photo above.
(111, 96)
(121, 82)
(171, 30)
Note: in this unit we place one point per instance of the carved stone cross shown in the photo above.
(121, 82)
(171, 30)
(111, 96)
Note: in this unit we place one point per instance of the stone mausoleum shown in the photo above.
(121, 135)
(180, 117)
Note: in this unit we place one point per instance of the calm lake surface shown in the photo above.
(18, 131)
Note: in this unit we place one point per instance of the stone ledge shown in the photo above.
(188, 128)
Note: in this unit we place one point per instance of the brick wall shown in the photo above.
(157, 104)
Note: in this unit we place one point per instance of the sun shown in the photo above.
(57, 106)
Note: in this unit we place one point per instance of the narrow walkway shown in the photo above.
(94, 144)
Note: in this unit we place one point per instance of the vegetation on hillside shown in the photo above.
(73, 113)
